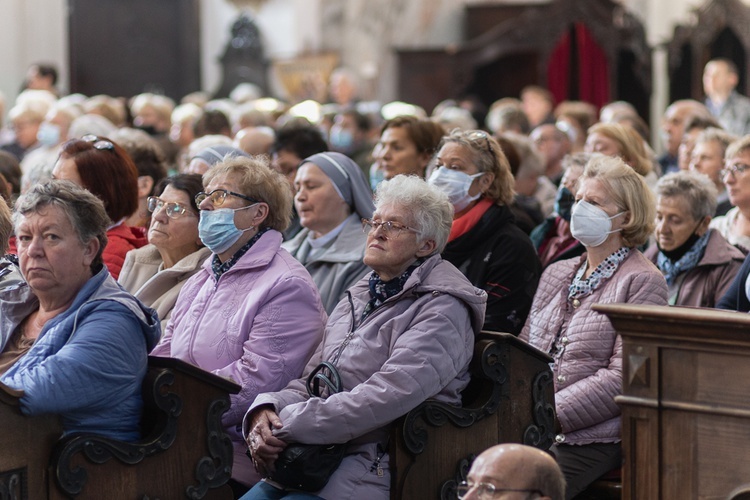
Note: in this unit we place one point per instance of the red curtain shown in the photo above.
(592, 76)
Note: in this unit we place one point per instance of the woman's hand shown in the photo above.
(264, 446)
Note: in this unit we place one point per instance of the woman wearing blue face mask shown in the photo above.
(552, 237)
(613, 215)
(485, 243)
(252, 313)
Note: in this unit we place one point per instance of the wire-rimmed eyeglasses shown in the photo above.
(390, 229)
(218, 196)
(486, 491)
(172, 209)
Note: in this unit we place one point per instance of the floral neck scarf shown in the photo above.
(688, 261)
(583, 287)
(380, 290)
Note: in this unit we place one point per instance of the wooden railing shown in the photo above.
(685, 402)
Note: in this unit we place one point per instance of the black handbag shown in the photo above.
(308, 467)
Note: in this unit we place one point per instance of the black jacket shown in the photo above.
(496, 256)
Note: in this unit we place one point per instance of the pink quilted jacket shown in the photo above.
(588, 372)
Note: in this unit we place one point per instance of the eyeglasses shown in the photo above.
(218, 196)
(735, 169)
(485, 491)
(173, 210)
(390, 229)
(99, 144)
(479, 135)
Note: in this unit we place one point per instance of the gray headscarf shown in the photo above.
(348, 179)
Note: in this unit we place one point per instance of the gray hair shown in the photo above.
(696, 188)
(431, 210)
(84, 210)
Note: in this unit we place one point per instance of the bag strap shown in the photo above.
(327, 374)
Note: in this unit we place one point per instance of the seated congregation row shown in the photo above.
(394, 308)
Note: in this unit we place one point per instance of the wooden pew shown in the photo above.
(184, 453)
(510, 399)
(685, 402)
(25, 444)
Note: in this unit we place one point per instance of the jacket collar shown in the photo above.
(259, 256)
(348, 246)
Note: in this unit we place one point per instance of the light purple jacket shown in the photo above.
(588, 373)
(257, 326)
(416, 346)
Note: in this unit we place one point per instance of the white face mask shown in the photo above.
(456, 185)
(591, 225)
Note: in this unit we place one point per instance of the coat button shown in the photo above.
(561, 378)
(435, 293)
(560, 438)
(576, 303)
(564, 340)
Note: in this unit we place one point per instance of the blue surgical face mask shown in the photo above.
(217, 230)
(341, 140)
(49, 134)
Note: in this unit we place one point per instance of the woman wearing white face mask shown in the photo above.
(613, 215)
(485, 243)
(252, 313)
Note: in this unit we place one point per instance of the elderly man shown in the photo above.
(520, 471)
(720, 78)
(553, 144)
(673, 127)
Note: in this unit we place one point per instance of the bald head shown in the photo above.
(518, 467)
(255, 140)
(676, 117)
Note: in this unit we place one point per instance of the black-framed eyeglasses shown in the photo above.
(100, 144)
(172, 209)
(735, 169)
(218, 196)
(486, 491)
(479, 136)
(390, 228)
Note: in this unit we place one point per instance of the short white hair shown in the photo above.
(429, 207)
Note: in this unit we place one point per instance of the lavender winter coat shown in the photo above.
(258, 325)
(588, 374)
(417, 345)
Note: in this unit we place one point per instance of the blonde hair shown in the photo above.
(629, 192)
(256, 179)
(629, 142)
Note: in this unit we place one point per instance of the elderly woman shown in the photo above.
(735, 225)
(484, 243)
(406, 146)
(333, 196)
(156, 273)
(613, 215)
(106, 170)
(403, 334)
(72, 339)
(697, 262)
(252, 312)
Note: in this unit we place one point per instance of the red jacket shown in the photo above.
(122, 239)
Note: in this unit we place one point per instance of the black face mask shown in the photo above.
(677, 253)
(564, 202)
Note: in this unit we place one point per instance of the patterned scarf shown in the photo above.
(219, 268)
(688, 261)
(380, 290)
(582, 287)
